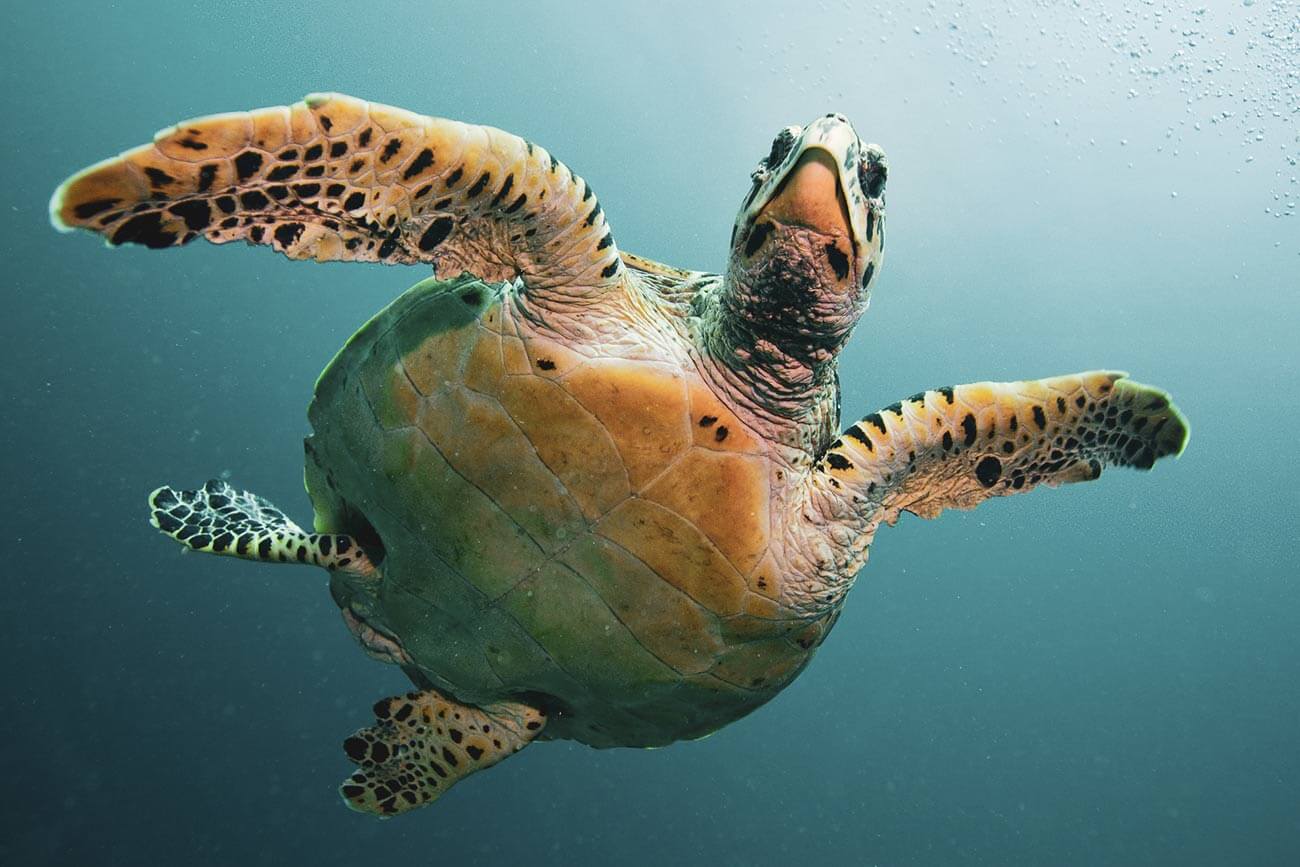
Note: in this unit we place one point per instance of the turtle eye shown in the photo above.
(873, 171)
(781, 146)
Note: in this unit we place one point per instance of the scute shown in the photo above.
(642, 405)
(737, 524)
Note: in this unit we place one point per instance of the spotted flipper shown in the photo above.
(335, 177)
(218, 519)
(953, 448)
(423, 743)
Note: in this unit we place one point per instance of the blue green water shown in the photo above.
(1105, 674)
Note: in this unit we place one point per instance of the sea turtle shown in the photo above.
(575, 493)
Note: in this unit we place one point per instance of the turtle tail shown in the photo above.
(218, 519)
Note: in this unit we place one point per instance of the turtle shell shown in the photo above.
(586, 529)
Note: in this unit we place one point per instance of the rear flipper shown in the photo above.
(423, 743)
(956, 447)
(218, 519)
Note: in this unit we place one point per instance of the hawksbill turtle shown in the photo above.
(572, 492)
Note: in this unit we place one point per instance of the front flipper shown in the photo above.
(423, 743)
(953, 448)
(218, 519)
(335, 177)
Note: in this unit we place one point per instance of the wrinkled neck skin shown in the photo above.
(773, 328)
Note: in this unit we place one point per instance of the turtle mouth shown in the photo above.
(811, 196)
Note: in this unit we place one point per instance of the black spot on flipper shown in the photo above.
(390, 150)
(505, 188)
(479, 185)
(257, 233)
(968, 428)
(708, 420)
(386, 249)
(144, 229)
(474, 752)
(86, 210)
(167, 523)
(197, 213)
(306, 191)
(253, 200)
(284, 172)
(610, 270)
(947, 441)
(858, 434)
(988, 471)
(158, 177)
(226, 204)
(838, 260)
(314, 152)
(591, 218)
(545, 364)
(356, 748)
(837, 461)
(436, 233)
(207, 174)
(455, 176)
(875, 419)
(721, 433)
(605, 241)
(335, 190)
(192, 144)
(247, 163)
(519, 203)
(1040, 418)
(947, 393)
(279, 192)
(354, 201)
(422, 161)
(757, 236)
(338, 149)
(287, 233)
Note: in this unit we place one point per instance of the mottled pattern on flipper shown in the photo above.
(334, 177)
(956, 447)
(423, 743)
(219, 519)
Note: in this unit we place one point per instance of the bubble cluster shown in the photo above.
(1234, 67)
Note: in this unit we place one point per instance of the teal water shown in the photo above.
(1106, 674)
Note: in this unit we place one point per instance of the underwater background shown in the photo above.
(1101, 674)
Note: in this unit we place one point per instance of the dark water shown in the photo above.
(1100, 675)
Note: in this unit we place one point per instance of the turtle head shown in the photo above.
(808, 240)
